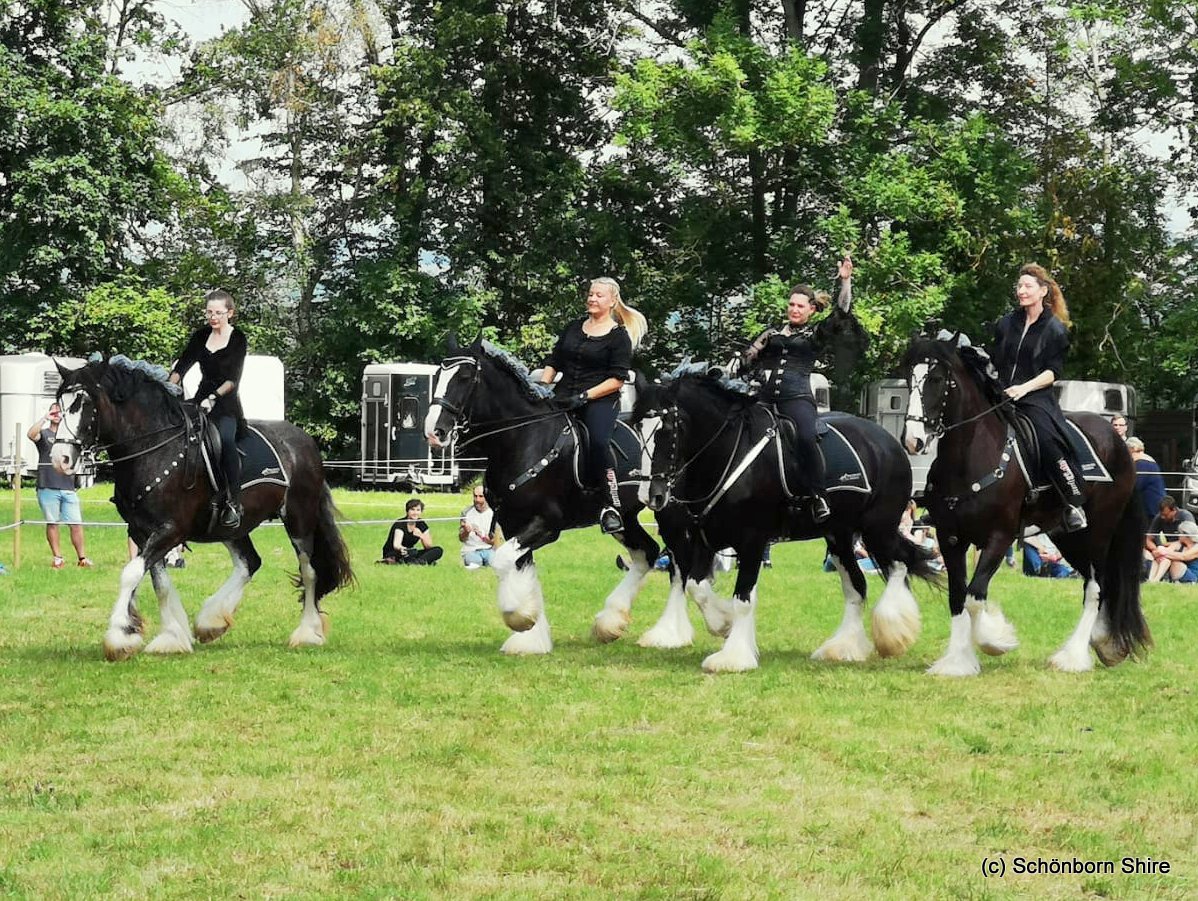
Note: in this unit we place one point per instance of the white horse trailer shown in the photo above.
(395, 401)
(28, 385)
(885, 402)
(1105, 398)
(260, 390)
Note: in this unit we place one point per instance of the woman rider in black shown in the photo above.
(788, 355)
(220, 350)
(1029, 350)
(594, 354)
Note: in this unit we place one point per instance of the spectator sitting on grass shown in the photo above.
(1178, 561)
(410, 541)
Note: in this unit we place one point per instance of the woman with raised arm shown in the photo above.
(1030, 344)
(783, 357)
(220, 351)
(593, 355)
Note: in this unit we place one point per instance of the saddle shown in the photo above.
(843, 469)
(1024, 444)
(573, 440)
(260, 462)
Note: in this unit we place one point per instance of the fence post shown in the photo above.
(16, 499)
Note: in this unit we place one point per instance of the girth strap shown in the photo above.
(563, 441)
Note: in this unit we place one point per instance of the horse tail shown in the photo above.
(1121, 582)
(330, 556)
(918, 560)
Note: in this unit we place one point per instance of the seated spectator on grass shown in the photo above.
(1150, 484)
(1164, 526)
(476, 531)
(1178, 561)
(410, 541)
(1043, 558)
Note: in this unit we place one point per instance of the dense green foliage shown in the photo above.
(405, 169)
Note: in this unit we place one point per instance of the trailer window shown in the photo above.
(1112, 399)
(409, 412)
(375, 388)
(896, 402)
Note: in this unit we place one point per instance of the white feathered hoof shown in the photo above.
(992, 632)
(1067, 660)
(212, 629)
(895, 629)
(844, 649)
(169, 643)
(518, 621)
(306, 636)
(531, 641)
(119, 645)
(955, 665)
(610, 625)
(726, 661)
(668, 637)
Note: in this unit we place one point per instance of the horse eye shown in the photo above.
(77, 404)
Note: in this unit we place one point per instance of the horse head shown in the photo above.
(453, 394)
(482, 381)
(77, 431)
(936, 368)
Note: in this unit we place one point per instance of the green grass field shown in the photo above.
(408, 758)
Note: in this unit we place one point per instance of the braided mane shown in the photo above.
(517, 370)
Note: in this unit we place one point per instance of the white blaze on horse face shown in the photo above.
(648, 433)
(916, 436)
(440, 386)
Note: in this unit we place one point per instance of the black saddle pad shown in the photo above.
(625, 447)
(843, 469)
(1027, 453)
(260, 463)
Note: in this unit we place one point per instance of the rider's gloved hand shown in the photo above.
(575, 401)
(208, 403)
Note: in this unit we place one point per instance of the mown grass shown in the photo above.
(408, 758)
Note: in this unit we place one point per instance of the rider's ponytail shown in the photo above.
(630, 318)
(1054, 300)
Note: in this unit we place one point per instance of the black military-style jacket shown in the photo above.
(1019, 357)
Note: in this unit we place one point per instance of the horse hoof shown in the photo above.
(122, 648)
(610, 626)
(164, 643)
(518, 622)
(305, 637)
(206, 634)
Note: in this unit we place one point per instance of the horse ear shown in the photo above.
(451, 343)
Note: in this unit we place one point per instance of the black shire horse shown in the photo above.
(531, 482)
(162, 492)
(718, 481)
(975, 497)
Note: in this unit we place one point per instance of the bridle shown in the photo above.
(935, 426)
(670, 426)
(461, 412)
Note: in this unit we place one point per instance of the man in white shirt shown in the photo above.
(476, 531)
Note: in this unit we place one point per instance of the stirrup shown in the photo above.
(1074, 519)
(820, 511)
(230, 517)
(610, 521)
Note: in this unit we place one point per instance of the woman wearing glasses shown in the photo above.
(220, 351)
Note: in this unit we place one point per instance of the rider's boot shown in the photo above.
(230, 517)
(1074, 517)
(610, 520)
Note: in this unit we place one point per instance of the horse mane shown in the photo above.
(737, 389)
(949, 346)
(124, 379)
(507, 362)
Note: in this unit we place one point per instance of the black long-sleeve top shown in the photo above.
(1019, 357)
(585, 361)
(790, 353)
(216, 368)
